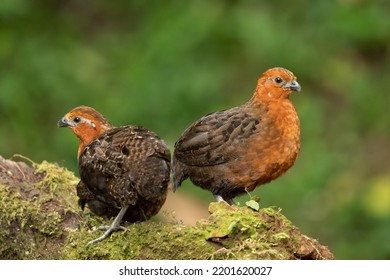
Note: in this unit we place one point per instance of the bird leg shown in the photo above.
(219, 198)
(116, 225)
(142, 213)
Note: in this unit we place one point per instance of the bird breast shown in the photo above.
(273, 149)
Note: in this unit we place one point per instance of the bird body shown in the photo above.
(231, 152)
(127, 166)
(125, 171)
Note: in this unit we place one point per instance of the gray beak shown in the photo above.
(63, 122)
(293, 86)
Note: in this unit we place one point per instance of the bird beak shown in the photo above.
(63, 122)
(293, 86)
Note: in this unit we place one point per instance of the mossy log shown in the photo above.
(40, 219)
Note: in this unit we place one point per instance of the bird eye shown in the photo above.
(278, 80)
(76, 119)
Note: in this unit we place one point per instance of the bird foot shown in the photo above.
(115, 229)
(114, 226)
(219, 198)
(107, 233)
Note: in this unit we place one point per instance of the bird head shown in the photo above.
(86, 123)
(275, 83)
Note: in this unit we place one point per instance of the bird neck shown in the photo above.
(86, 134)
(285, 119)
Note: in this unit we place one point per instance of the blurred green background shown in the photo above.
(164, 64)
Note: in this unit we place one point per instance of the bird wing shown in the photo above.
(214, 138)
(120, 163)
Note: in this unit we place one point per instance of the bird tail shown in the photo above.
(178, 173)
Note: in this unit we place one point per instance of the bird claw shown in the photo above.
(114, 226)
(107, 233)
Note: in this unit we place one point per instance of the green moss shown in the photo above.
(146, 240)
(243, 233)
(57, 181)
(229, 233)
(34, 212)
(43, 221)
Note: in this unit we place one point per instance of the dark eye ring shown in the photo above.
(76, 119)
(278, 80)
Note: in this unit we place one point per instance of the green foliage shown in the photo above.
(164, 64)
(253, 204)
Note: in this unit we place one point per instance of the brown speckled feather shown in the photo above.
(120, 167)
(125, 171)
(127, 165)
(214, 138)
(231, 152)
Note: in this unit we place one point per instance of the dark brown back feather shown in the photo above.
(125, 166)
(212, 140)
